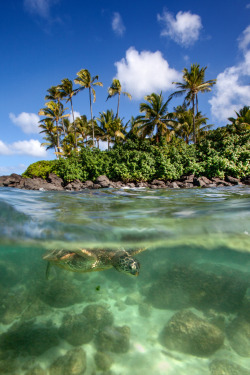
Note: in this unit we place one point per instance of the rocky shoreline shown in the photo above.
(55, 183)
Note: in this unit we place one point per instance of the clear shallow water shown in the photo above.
(196, 265)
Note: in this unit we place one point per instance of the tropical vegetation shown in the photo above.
(155, 144)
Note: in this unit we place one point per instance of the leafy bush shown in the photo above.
(40, 169)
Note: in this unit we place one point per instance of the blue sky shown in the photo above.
(144, 44)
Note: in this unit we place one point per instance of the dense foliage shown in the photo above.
(224, 151)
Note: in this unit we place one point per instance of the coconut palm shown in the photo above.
(116, 89)
(67, 92)
(194, 82)
(55, 95)
(243, 118)
(111, 127)
(48, 127)
(85, 80)
(156, 118)
(183, 123)
(55, 112)
(83, 128)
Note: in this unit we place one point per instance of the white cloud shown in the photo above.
(117, 24)
(39, 7)
(28, 122)
(244, 39)
(32, 148)
(231, 93)
(7, 170)
(76, 114)
(146, 72)
(184, 29)
(4, 150)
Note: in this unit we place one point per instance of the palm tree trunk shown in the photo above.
(196, 104)
(194, 137)
(118, 105)
(93, 129)
(73, 118)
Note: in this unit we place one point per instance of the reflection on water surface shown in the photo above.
(188, 312)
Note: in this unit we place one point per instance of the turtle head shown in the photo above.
(127, 264)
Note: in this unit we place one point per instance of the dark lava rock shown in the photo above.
(103, 361)
(233, 180)
(55, 180)
(72, 363)
(76, 329)
(88, 184)
(103, 181)
(187, 333)
(182, 286)
(60, 293)
(238, 333)
(38, 184)
(246, 180)
(226, 367)
(75, 185)
(201, 181)
(98, 316)
(173, 185)
(28, 339)
(113, 339)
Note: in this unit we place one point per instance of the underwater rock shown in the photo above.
(72, 363)
(103, 361)
(8, 366)
(184, 286)
(238, 333)
(36, 371)
(76, 329)
(98, 316)
(225, 367)
(20, 304)
(187, 333)
(113, 339)
(28, 339)
(145, 309)
(60, 293)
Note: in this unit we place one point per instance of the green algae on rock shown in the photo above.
(187, 333)
(73, 363)
(76, 329)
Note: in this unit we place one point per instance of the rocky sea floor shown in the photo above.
(188, 312)
(177, 317)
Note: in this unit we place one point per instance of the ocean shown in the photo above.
(187, 312)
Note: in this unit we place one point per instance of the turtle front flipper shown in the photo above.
(137, 251)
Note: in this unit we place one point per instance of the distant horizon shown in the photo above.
(145, 48)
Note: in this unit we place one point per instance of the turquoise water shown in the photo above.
(188, 311)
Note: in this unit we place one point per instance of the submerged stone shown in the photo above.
(103, 361)
(98, 316)
(238, 333)
(36, 371)
(72, 363)
(184, 286)
(28, 339)
(187, 333)
(226, 367)
(113, 339)
(60, 293)
(76, 329)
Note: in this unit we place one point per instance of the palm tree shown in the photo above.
(55, 112)
(111, 127)
(66, 90)
(87, 82)
(183, 123)
(243, 118)
(156, 117)
(194, 82)
(83, 128)
(116, 89)
(48, 127)
(55, 95)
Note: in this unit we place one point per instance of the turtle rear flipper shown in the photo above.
(49, 268)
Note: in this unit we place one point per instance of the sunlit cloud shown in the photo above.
(39, 7)
(76, 114)
(31, 147)
(28, 122)
(117, 24)
(184, 29)
(142, 73)
(7, 170)
(232, 89)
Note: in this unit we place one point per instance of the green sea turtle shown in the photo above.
(89, 260)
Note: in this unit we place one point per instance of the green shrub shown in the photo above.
(40, 169)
